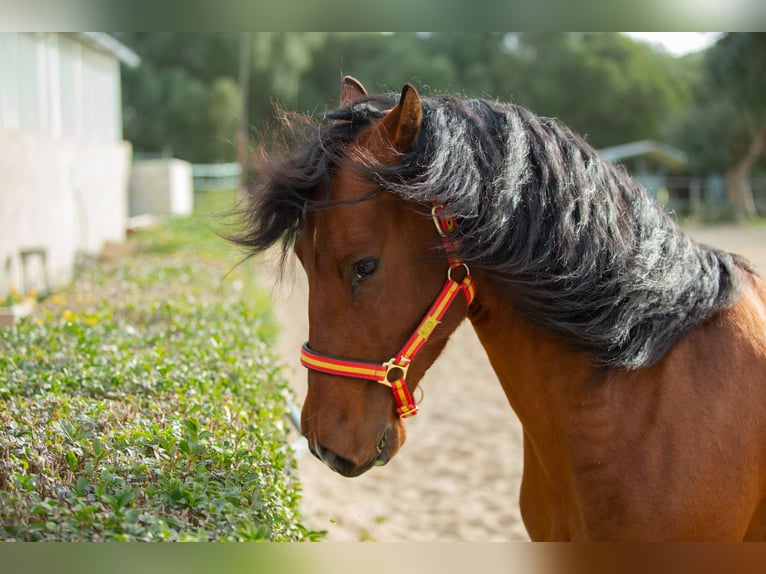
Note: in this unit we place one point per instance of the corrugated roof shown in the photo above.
(659, 150)
(110, 45)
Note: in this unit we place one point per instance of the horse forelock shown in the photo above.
(287, 182)
(579, 247)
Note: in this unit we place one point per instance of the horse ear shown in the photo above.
(351, 90)
(401, 124)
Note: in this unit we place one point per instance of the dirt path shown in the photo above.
(457, 477)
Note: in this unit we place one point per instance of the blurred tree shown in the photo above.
(382, 62)
(604, 85)
(725, 130)
(182, 100)
(737, 70)
(279, 63)
(477, 62)
(223, 104)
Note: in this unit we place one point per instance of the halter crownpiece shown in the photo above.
(393, 373)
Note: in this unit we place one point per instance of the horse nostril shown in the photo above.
(320, 452)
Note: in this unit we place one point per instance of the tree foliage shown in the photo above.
(725, 129)
(604, 85)
(183, 98)
(729, 103)
(142, 403)
(736, 67)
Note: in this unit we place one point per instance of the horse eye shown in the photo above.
(364, 269)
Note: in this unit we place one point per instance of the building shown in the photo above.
(662, 170)
(64, 167)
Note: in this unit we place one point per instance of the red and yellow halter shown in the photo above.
(393, 373)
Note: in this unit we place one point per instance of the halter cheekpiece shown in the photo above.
(393, 373)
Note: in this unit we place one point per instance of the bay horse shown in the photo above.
(634, 357)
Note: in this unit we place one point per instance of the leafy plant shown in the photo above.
(143, 403)
(14, 298)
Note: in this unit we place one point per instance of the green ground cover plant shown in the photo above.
(143, 403)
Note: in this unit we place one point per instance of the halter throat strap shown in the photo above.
(393, 373)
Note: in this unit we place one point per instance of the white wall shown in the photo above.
(63, 166)
(54, 84)
(64, 195)
(161, 187)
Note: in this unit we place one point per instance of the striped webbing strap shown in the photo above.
(393, 372)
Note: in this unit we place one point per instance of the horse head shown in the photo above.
(374, 267)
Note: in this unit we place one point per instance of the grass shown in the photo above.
(144, 403)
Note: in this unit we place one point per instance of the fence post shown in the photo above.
(244, 84)
(695, 197)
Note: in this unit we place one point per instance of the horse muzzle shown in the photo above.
(380, 456)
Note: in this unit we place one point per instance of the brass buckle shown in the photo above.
(390, 365)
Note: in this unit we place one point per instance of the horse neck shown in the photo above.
(543, 378)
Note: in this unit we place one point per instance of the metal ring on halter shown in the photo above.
(463, 265)
(422, 395)
(436, 218)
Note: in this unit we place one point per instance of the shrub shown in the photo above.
(143, 403)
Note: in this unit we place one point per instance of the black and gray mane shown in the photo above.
(582, 250)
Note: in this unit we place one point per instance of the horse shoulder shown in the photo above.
(677, 450)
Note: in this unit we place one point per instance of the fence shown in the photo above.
(212, 176)
(699, 195)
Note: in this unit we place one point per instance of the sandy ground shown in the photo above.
(457, 477)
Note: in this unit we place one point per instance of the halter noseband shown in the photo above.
(393, 373)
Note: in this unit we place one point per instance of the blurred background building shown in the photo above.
(63, 162)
